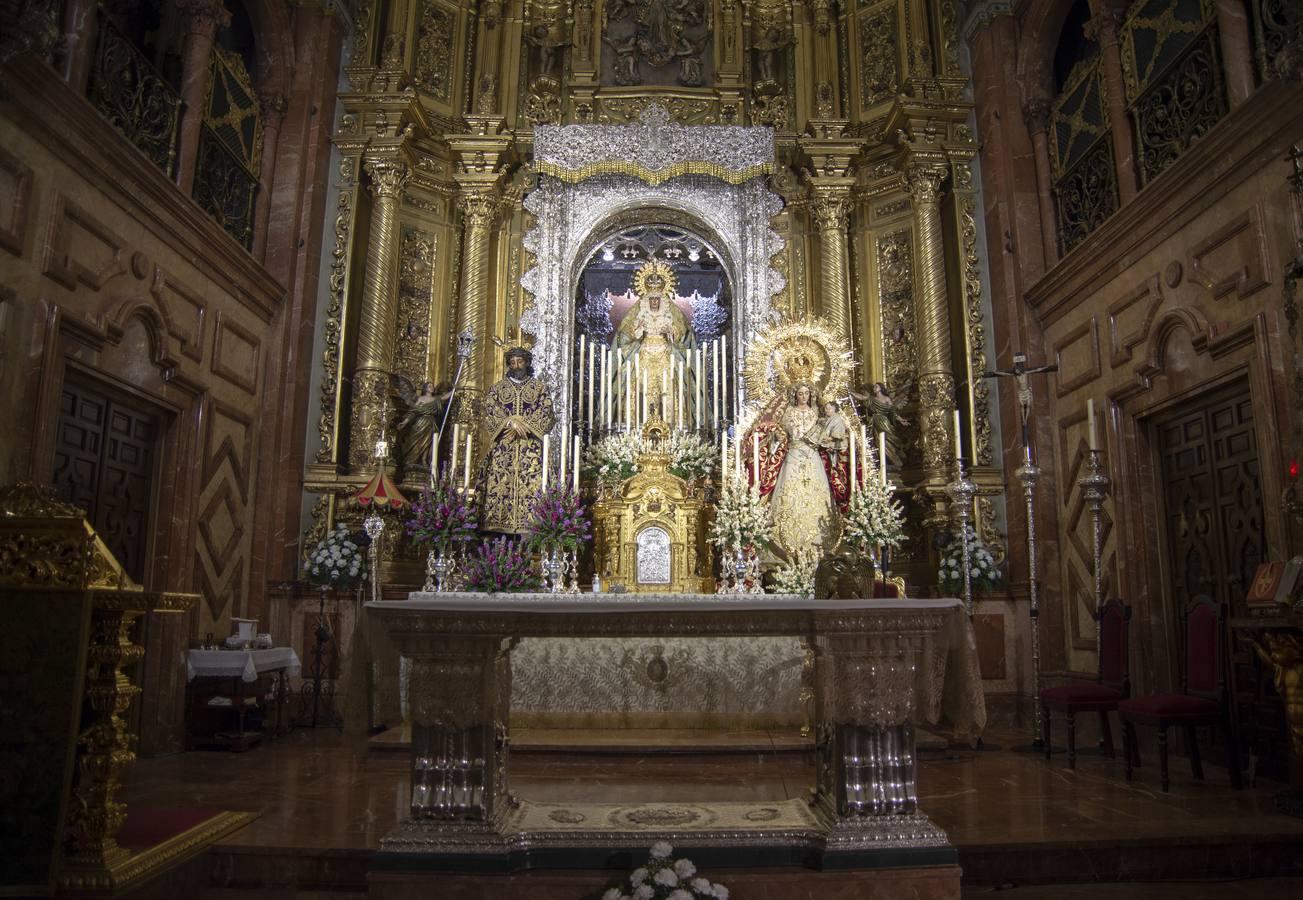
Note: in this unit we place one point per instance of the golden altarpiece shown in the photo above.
(823, 150)
(446, 222)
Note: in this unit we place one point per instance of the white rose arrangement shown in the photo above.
(338, 559)
(797, 575)
(741, 519)
(873, 518)
(983, 571)
(666, 878)
(613, 458)
(691, 458)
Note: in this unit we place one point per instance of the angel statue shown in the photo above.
(417, 425)
(883, 416)
(655, 332)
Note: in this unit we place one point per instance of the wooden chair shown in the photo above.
(1112, 683)
(1203, 699)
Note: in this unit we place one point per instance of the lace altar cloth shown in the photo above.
(724, 679)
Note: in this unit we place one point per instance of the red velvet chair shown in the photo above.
(1112, 683)
(1203, 699)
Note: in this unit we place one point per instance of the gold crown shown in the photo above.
(655, 268)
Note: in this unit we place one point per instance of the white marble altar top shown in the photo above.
(621, 603)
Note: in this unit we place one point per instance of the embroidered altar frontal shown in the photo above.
(729, 683)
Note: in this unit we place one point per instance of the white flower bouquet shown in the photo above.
(796, 576)
(666, 878)
(691, 458)
(338, 560)
(613, 458)
(983, 571)
(874, 518)
(741, 519)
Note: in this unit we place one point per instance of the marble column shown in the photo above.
(379, 314)
(936, 380)
(831, 201)
(1236, 43)
(479, 210)
(1036, 113)
(80, 27)
(1103, 27)
(273, 114)
(202, 19)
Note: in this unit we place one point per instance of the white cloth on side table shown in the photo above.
(243, 664)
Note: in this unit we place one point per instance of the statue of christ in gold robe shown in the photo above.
(517, 413)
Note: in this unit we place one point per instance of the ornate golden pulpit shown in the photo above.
(70, 608)
(650, 531)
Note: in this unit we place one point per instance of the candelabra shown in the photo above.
(1094, 487)
(961, 491)
(318, 691)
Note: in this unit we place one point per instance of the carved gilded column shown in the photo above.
(1036, 113)
(479, 209)
(1103, 27)
(831, 204)
(273, 114)
(202, 19)
(936, 380)
(379, 314)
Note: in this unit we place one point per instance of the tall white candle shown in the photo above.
(882, 455)
(628, 399)
(602, 418)
(665, 395)
(456, 440)
(755, 458)
(545, 437)
(714, 406)
(574, 469)
(701, 391)
(466, 463)
(583, 389)
(563, 456)
(434, 456)
(592, 381)
(1090, 423)
(678, 407)
(864, 453)
(723, 456)
(723, 374)
(958, 446)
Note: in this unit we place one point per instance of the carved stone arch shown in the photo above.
(274, 45)
(157, 326)
(1166, 327)
(677, 216)
(1042, 25)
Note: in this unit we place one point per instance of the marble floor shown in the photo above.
(1015, 818)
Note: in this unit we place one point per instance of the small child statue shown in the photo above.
(834, 433)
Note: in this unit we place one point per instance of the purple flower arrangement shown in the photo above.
(557, 520)
(501, 566)
(442, 515)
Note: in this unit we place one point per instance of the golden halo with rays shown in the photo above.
(656, 267)
(793, 352)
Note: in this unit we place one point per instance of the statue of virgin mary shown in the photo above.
(655, 332)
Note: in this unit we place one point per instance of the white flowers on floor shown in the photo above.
(665, 878)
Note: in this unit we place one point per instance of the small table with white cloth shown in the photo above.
(237, 672)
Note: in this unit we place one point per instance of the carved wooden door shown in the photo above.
(104, 463)
(1212, 498)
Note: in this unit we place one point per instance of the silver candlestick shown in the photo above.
(1094, 487)
(1028, 473)
(961, 491)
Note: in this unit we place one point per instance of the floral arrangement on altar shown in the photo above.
(691, 458)
(613, 458)
(796, 576)
(741, 519)
(442, 515)
(501, 566)
(557, 520)
(983, 571)
(664, 878)
(873, 518)
(338, 559)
